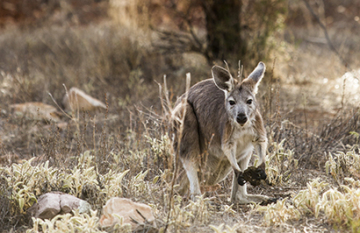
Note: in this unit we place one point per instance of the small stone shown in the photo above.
(36, 111)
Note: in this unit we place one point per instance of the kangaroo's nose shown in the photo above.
(241, 118)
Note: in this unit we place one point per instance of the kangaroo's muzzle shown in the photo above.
(241, 118)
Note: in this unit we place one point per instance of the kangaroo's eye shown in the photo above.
(231, 102)
(249, 101)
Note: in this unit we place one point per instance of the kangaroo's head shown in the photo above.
(240, 102)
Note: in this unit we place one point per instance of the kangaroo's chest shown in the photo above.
(242, 142)
(218, 165)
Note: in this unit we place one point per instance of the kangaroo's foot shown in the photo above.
(250, 198)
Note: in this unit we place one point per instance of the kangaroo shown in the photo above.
(221, 120)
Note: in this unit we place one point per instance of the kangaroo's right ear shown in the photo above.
(255, 77)
(222, 78)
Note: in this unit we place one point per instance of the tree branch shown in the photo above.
(323, 27)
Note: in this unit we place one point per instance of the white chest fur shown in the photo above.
(243, 142)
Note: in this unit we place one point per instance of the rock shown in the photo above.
(51, 204)
(36, 111)
(76, 99)
(127, 209)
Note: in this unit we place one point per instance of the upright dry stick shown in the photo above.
(183, 101)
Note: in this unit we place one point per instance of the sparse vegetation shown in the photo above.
(309, 106)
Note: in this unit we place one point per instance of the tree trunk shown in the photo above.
(223, 28)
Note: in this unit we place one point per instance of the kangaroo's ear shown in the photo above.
(222, 78)
(256, 76)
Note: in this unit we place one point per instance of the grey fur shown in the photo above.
(221, 127)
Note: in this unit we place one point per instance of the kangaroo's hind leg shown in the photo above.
(188, 147)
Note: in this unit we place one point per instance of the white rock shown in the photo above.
(76, 99)
(127, 209)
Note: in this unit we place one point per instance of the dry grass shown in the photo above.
(124, 151)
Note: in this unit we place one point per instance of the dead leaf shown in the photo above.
(127, 209)
(76, 99)
(36, 111)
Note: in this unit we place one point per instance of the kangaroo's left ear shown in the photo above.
(222, 79)
(256, 76)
